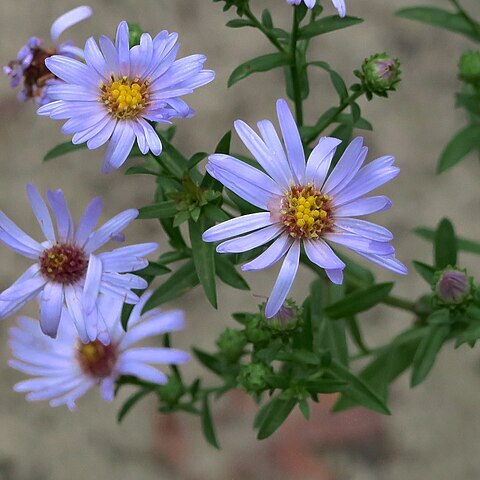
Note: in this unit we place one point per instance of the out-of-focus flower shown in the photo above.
(302, 204)
(65, 369)
(120, 89)
(66, 272)
(338, 4)
(29, 66)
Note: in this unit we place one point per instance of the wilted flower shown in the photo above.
(29, 65)
(338, 4)
(120, 89)
(303, 205)
(65, 369)
(66, 271)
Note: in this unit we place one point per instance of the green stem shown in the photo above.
(264, 30)
(320, 127)
(294, 70)
(466, 16)
(400, 303)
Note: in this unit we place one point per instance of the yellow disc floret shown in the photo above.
(306, 212)
(125, 98)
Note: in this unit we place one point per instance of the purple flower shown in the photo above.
(120, 89)
(65, 369)
(303, 205)
(338, 4)
(67, 273)
(453, 286)
(29, 65)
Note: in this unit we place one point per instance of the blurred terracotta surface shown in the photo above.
(433, 433)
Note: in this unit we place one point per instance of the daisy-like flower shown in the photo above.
(65, 369)
(303, 205)
(29, 65)
(119, 89)
(338, 4)
(66, 272)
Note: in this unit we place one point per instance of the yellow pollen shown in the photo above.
(125, 98)
(306, 212)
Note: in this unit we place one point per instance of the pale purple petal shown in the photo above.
(93, 280)
(119, 147)
(250, 241)
(363, 206)
(88, 221)
(67, 20)
(41, 212)
(8, 230)
(386, 261)
(322, 255)
(318, 163)
(127, 259)
(364, 229)
(271, 255)
(123, 48)
(62, 215)
(360, 244)
(155, 355)
(51, 303)
(140, 370)
(335, 276)
(73, 71)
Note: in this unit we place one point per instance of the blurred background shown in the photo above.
(434, 430)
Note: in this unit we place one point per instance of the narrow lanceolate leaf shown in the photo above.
(463, 243)
(159, 210)
(258, 64)
(427, 352)
(63, 149)
(130, 403)
(228, 274)
(203, 254)
(358, 390)
(359, 301)
(207, 424)
(179, 283)
(445, 245)
(273, 415)
(172, 159)
(209, 361)
(327, 24)
(464, 142)
(336, 79)
(223, 146)
(153, 269)
(440, 18)
(425, 271)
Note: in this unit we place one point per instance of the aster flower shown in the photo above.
(29, 65)
(119, 90)
(303, 205)
(66, 272)
(65, 369)
(338, 4)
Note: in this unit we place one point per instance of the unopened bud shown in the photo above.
(469, 67)
(453, 286)
(253, 377)
(232, 343)
(380, 74)
(286, 318)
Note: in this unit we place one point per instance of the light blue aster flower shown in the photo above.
(65, 369)
(338, 4)
(29, 65)
(67, 272)
(303, 205)
(114, 95)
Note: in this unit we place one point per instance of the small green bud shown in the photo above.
(172, 391)
(379, 74)
(253, 377)
(256, 330)
(469, 67)
(232, 343)
(453, 287)
(135, 34)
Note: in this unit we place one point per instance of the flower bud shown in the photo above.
(256, 331)
(469, 67)
(172, 391)
(453, 286)
(253, 377)
(379, 74)
(286, 318)
(232, 343)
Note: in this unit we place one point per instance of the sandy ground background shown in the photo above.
(433, 433)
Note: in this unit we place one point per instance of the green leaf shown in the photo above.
(207, 424)
(440, 18)
(336, 79)
(430, 345)
(172, 159)
(277, 411)
(359, 301)
(425, 271)
(139, 170)
(228, 273)
(159, 210)
(208, 361)
(179, 283)
(358, 389)
(258, 64)
(463, 244)
(267, 19)
(203, 254)
(445, 245)
(131, 402)
(326, 25)
(223, 147)
(305, 409)
(464, 142)
(239, 23)
(63, 149)
(438, 317)
(196, 159)
(154, 269)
